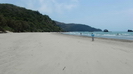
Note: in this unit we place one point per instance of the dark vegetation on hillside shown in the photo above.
(19, 19)
(76, 27)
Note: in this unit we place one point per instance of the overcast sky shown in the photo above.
(114, 15)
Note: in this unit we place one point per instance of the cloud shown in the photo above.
(52, 6)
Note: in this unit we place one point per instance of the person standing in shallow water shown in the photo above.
(92, 35)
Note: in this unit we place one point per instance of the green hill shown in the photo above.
(76, 27)
(19, 19)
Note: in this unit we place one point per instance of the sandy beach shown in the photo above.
(54, 53)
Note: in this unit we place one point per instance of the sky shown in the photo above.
(114, 15)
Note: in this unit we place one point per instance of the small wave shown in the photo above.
(116, 35)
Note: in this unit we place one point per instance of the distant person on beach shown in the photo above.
(80, 33)
(92, 35)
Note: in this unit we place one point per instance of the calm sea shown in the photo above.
(113, 35)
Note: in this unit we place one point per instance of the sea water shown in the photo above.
(113, 35)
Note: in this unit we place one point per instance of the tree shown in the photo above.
(18, 19)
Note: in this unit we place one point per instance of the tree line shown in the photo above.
(19, 19)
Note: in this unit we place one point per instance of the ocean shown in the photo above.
(111, 35)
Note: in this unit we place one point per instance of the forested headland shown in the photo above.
(76, 27)
(18, 19)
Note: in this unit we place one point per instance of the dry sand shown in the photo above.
(53, 53)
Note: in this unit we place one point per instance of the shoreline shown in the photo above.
(108, 35)
(127, 43)
(115, 39)
(122, 40)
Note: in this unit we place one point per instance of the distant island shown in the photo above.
(18, 19)
(105, 30)
(76, 27)
(130, 31)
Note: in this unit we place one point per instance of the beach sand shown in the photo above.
(54, 53)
